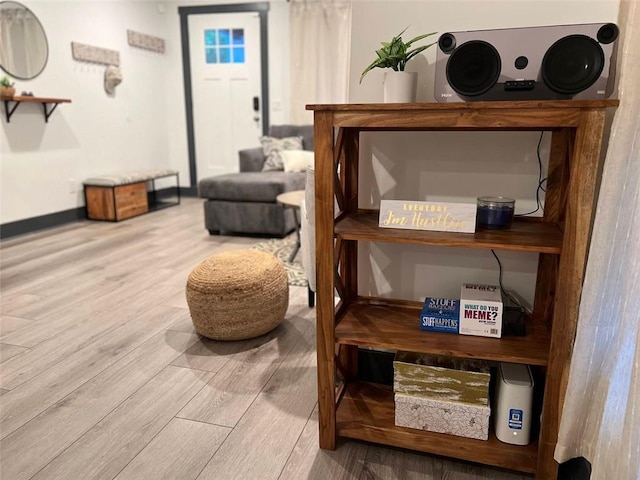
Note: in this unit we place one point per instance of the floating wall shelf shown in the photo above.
(48, 105)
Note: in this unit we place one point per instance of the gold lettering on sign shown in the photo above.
(416, 207)
(447, 221)
(436, 216)
(393, 220)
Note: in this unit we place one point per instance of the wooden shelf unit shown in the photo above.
(45, 102)
(365, 411)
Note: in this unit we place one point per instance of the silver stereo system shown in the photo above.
(558, 62)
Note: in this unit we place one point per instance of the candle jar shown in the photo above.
(495, 212)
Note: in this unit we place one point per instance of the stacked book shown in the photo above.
(477, 312)
(440, 315)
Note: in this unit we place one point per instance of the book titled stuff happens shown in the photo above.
(440, 315)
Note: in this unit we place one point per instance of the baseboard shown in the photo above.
(189, 192)
(162, 193)
(34, 224)
(30, 225)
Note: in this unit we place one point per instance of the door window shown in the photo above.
(224, 45)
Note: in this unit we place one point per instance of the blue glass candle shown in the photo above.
(495, 212)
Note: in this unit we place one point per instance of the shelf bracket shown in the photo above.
(9, 108)
(9, 111)
(47, 113)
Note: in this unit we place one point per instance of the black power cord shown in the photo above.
(511, 325)
(541, 182)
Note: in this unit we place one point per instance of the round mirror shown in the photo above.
(23, 44)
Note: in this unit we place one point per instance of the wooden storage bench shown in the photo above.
(117, 197)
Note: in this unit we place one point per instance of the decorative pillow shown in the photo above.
(272, 148)
(297, 160)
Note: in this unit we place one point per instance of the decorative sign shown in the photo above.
(434, 216)
(148, 42)
(89, 53)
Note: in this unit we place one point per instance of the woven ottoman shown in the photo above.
(237, 295)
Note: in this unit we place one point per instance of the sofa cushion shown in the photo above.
(250, 186)
(305, 131)
(273, 148)
(297, 160)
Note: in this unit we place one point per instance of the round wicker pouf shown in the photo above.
(237, 295)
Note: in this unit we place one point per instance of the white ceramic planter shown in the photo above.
(400, 87)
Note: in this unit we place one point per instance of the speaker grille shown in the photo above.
(572, 64)
(473, 68)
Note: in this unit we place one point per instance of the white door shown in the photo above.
(225, 82)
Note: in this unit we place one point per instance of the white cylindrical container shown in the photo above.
(400, 87)
(514, 399)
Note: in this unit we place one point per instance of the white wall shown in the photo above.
(446, 166)
(97, 133)
(142, 126)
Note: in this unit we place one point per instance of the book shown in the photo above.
(440, 315)
(481, 310)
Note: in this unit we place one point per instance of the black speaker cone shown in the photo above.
(572, 64)
(447, 42)
(473, 68)
(608, 33)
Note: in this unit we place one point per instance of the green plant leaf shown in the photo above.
(6, 82)
(380, 62)
(420, 37)
(395, 54)
(400, 34)
(416, 51)
(413, 53)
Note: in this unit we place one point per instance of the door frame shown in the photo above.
(263, 9)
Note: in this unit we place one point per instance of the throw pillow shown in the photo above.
(297, 160)
(272, 148)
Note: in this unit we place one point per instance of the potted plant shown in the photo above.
(6, 88)
(399, 86)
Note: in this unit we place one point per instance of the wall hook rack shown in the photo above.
(89, 53)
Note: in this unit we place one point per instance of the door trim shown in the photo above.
(263, 9)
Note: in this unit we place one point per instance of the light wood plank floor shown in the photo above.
(102, 375)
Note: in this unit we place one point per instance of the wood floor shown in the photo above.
(103, 377)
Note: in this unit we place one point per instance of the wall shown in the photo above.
(446, 166)
(141, 126)
(42, 163)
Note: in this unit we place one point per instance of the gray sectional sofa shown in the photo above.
(245, 202)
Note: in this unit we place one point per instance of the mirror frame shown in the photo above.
(46, 42)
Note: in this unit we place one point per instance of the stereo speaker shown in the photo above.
(557, 62)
